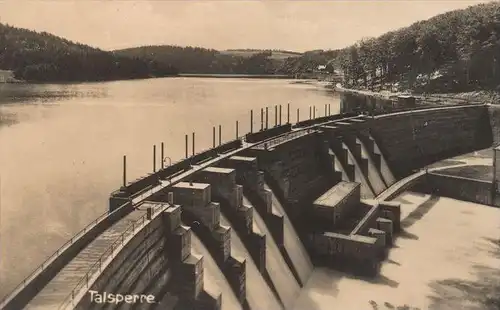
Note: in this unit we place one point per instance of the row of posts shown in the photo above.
(277, 122)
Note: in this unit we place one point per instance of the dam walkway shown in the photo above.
(58, 292)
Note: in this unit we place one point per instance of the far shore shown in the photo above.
(246, 76)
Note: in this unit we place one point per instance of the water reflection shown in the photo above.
(18, 95)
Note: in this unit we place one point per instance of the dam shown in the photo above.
(245, 224)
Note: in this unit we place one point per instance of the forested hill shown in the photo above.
(43, 57)
(210, 61)
(452, 52)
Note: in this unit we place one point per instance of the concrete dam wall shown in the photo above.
(242, 226)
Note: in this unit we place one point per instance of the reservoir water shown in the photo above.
(61, 147)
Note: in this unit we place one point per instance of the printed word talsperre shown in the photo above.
(108, 298)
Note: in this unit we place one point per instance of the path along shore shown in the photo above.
(450, 98)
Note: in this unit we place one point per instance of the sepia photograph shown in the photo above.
(250, 154)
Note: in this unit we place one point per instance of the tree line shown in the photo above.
(43, 57)
(455, 51)
(209, 61)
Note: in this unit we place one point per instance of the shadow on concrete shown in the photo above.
(481, 293)
(387, 305)
(404, 234)
(326, 282)
(402, 200)
(393, 262)
(323, 281)
(419, 212)
(379, 279)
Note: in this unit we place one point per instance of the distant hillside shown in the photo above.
(42, 57)
(210, 61)
(272, 54)
(310, 61)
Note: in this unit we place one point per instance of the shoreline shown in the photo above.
(480, 96)
(228, 76)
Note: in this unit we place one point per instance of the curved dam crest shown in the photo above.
(243, 225)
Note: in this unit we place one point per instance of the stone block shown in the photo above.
(192, 194)
(222, 180)
(188, 277)
(171, 218)
(178, 243)
(386, 226)
(222, 237)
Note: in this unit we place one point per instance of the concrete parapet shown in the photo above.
(222, 237)
(190, 194)
(381, 241)
(333, 205)
(386, 226)
(355, 253)
(195, 199)
(222, 180)
(256, 245)
(235, 269)
(188, 276)
(461, 188)
(392, 211)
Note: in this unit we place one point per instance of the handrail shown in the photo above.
(61, 249)
(109, 252)
(286, 137)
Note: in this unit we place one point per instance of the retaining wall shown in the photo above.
(477, 191)
(410, 140)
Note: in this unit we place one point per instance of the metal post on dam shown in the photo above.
(213, 136)
(288, 114)
(162, 155)
(496, 176)
(251, 121)
(280, 116)
(154, 158)
(267, 118)
(261, 119)
(124, 170)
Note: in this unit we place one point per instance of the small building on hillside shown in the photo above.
(406, 101)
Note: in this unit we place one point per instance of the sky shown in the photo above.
(221, 24)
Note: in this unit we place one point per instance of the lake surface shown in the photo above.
(61, 147)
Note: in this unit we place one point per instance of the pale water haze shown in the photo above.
(62, 147)
(291, 25)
